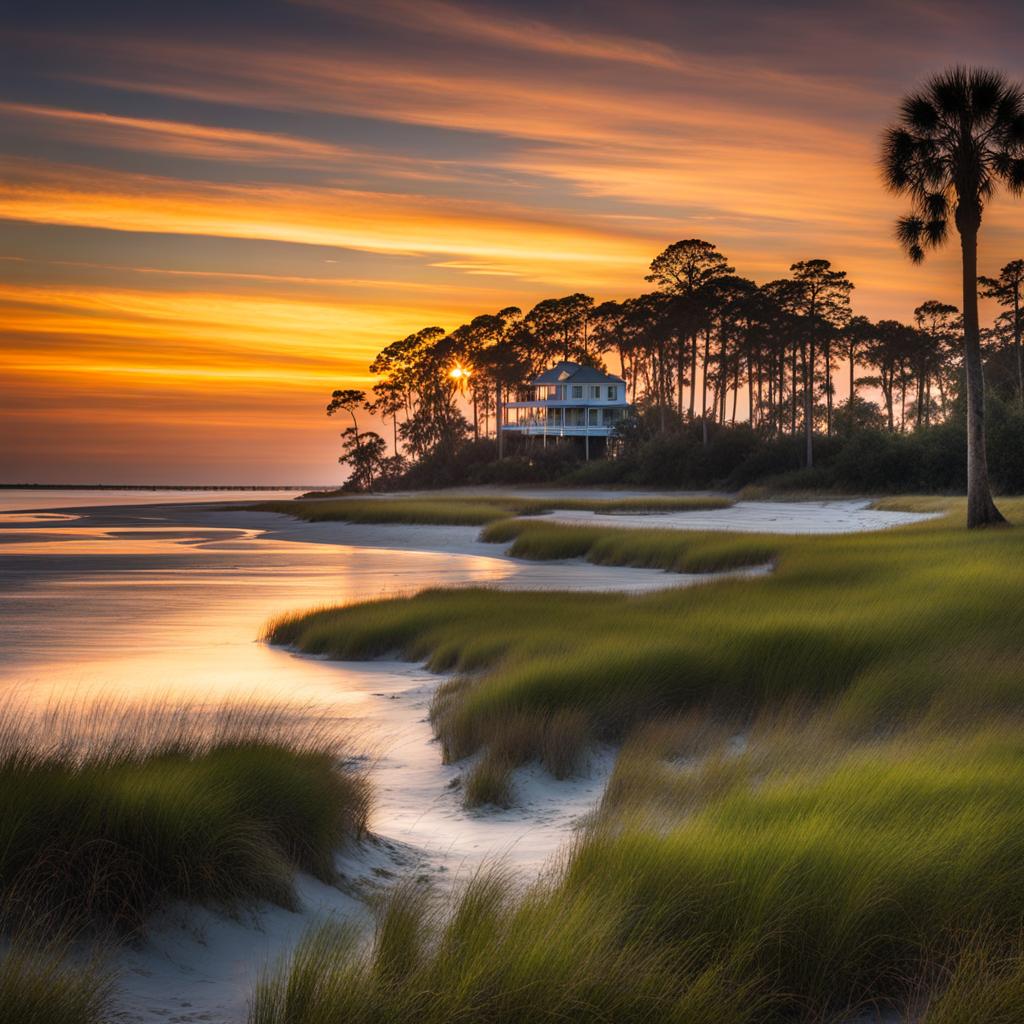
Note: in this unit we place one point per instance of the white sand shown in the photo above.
(789, 517)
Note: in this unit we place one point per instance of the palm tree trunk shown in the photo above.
(981, 509)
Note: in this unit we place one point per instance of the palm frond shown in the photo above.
(919, 112)
(935, 232)
(936, 206)
(909, 230)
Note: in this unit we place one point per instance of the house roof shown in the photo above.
(565, 373)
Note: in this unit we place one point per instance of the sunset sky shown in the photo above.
(215, 213)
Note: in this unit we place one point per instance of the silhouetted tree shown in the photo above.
(364, 454)
(955, 141)
(1006, 290)
(937, 323)
(685, 269)
(821, 298)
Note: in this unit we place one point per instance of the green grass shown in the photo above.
(499, 959)
(849, 875)
(672, 550)
(455, 510)
(106, 816)
(795, 881)
(918, 622)
(40, 984)
(818, 807)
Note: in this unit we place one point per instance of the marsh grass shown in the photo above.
(919, 623)
(489, 782)
(981, 986)
(108, 813)
(799, 875)
(818, 807)
(456, 510)
(499, 956)
(851, 871)
(557, 741)
(671, 550)
(41, 984)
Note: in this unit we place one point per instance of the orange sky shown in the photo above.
(209, 220)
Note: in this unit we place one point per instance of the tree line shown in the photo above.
(705, 346)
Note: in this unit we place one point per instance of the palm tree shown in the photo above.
(954, 143)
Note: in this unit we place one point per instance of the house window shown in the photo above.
(613, 393)
(577, 391)
(595, 391)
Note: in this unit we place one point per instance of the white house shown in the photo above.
(569, 400)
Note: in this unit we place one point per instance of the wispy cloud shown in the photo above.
(531, 244)
(506, 31)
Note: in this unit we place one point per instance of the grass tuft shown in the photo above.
(489, 782)
(40, 983)
(109, 813)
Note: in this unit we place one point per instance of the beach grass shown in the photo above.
(801, 876)
(852, 871)
(457, 510)
(110, 813)
(817, 810)
(499, 956)
(41, 983)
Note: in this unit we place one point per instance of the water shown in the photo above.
(166, 603)
(17, 498)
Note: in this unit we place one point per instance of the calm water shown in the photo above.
(155, 602)
(42, 498)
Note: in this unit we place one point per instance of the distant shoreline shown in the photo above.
(167, 487)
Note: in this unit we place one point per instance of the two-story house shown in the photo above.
(570, 401)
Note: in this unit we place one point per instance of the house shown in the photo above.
(570, 401)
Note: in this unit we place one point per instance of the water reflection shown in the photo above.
(174, 612)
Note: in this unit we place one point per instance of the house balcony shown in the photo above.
(545, 429)
(535, 419)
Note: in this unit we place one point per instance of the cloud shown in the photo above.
(505, 30)
(537, 245)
